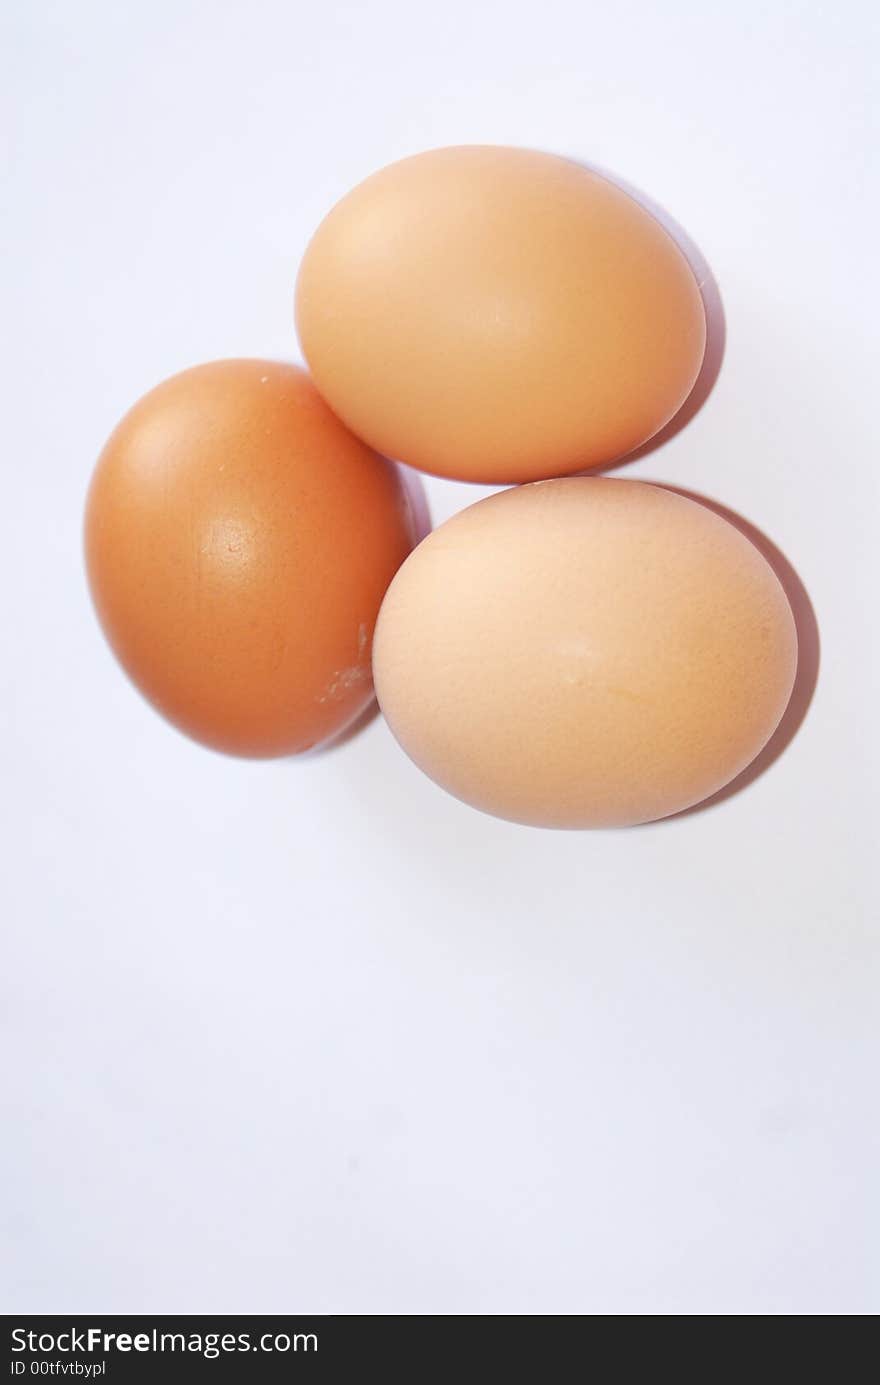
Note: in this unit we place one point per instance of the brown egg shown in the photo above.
(239, 542)
(496, 315)
(584, 653)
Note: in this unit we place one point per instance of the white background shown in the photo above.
(310, 1035)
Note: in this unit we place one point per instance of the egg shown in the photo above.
(498, 315)
(584, 652)
(239, 541)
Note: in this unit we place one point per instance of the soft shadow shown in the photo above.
(418, 499)
(421, 519)
(348, 733)
(807, 672)
(716, 330)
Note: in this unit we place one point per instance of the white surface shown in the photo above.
(313, 1036)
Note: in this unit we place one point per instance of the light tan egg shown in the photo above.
(584, 652)
(496, 314)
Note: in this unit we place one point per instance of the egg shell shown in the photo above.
(495, 314)
(239, 541)
(584, 652)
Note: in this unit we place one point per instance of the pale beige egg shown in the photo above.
(584, 652)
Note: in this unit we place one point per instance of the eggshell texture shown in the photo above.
(496, 314)
(584, 653)
(239, 541)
